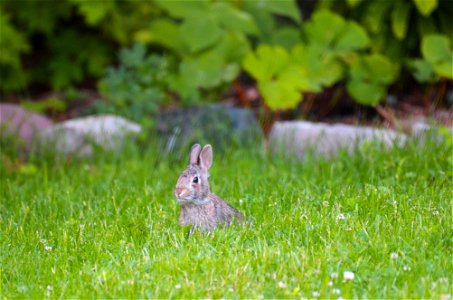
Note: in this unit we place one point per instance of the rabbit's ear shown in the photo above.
(194, 153)
(206, 157)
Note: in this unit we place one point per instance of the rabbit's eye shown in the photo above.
(195, 179)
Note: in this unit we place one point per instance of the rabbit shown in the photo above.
(199, 207)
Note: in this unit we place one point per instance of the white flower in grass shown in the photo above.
(315, 294)
(336, 291)
(443, 280)
(340, 298)
(282, 285)
(394, 255)
(406, 268)
(334, 275)
(330, 283)
(445, 296)
(49, 290)
(340, 217)
(48, 248)
(348, 275)
(260, 296)
(178, 286)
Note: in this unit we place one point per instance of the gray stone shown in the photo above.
(219, 125)
(21, 124)
(422, 127)
(79, 136)
(296, 137)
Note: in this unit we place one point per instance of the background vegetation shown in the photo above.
(191, 52)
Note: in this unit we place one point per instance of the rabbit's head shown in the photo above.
(193, 186)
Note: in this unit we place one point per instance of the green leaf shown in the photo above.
(333, 33)
(400, 19)
(369, 77)
(134, 56)
(436, 48)
(94, 11)
(70, 64)
(367, 93)
(166, 33)
(287, 37)
(200, 32)
(287, 8)
(63, 72)
(353, 3)
(232, 47)
(212, 67)
(380, 68)
(324, 27)
(285, 90)
(319, 67)
(422, 70)
(185, 88)
(375, 68)
(375, 13)
(233, 19)
(353, 37)
(12, 43)
(281, 79)
(444, 69)
(280, 95)
(41, 106)
(426, 7)
(266, 62)
(183, 8)
(263, 19)
(230, 72)
(50, 14)
(203, 71)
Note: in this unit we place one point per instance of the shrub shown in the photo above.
(59, 44)
(204, 45)
(135, 88)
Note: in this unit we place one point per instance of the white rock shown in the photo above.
(77, 136)
(296, 137)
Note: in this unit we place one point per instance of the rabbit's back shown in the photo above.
(225, 212)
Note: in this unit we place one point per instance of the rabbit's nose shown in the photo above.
(180, 192)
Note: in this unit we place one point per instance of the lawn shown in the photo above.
(376, 224)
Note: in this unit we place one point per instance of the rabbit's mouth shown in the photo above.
(191, 199)
(183, 194)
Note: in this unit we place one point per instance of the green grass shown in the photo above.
(108, 228)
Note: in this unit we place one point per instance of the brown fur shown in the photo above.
(199, 207)
(209, 216)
